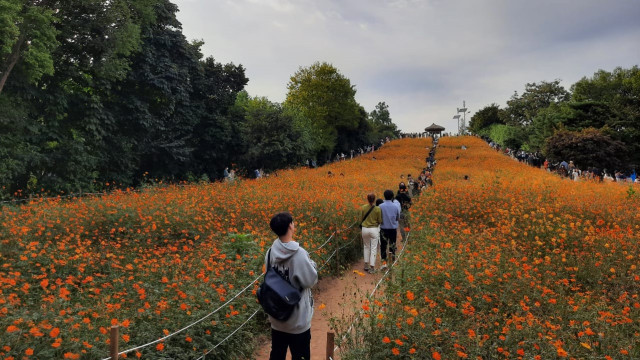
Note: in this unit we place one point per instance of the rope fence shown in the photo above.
(230, 335)
(78, 195)
(359, 318)
(235, 297)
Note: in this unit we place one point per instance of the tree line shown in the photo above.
(95, 92)
(596, 123)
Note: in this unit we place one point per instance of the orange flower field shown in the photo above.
(513, 263)
(157, 260)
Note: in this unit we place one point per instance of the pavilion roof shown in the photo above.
(434, 127)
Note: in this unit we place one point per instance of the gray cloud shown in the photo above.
(422, 57)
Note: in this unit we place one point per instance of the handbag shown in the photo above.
(276, 295)
(365, 216)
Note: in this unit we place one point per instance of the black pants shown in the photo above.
(388, 236)
(300, 345)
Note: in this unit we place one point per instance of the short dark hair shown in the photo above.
(388, 194)
(280, 223)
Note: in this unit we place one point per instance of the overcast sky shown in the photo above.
(421, 57)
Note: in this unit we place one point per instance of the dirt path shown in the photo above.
(341, 296)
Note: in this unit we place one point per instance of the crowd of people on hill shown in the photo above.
(380, 219)
(566, 169)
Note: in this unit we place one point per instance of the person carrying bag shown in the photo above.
(286, 292)
(371, 216)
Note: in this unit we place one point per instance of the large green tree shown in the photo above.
(362, 135)
(273, 134)
(545, 124)
(27, 38)
(218, 138)
(521, 109)
(153, 109)
(326, 98)
(63, 111)
(614, 96)
(587, 148)
(485, 117)
(381, 122)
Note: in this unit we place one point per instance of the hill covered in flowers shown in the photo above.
(157, 260)
(510, 263)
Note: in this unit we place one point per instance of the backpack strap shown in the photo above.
(268, 261)
(269, 267)
(367, 214)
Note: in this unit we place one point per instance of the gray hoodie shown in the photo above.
(294, 263)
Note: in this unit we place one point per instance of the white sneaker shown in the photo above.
(384, 266)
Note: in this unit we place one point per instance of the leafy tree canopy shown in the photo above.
(326, 98)
(27, 39)
(587, 148)
(381, 122)
(507, 135)
(274, 136)
(617, 94)
(521, 109)
(486, 117)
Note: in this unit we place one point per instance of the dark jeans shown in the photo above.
(300, 345)
(388, 236)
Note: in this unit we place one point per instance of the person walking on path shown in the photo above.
(405, 203)
(293, 263)
(370, 220)
(389, 227)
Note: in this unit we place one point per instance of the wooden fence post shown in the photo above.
(330, 345)
(113, 345)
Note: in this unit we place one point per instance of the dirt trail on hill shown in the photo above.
(341, 296)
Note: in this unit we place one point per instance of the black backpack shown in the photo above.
(276, 295)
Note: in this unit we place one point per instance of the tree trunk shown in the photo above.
(11, 61)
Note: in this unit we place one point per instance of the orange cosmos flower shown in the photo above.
(12, 328)
(410, 295)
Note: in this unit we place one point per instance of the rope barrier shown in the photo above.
(327, 261)
(230, 335)
(252, 315)
(50, 197)
(190, 325)
(326, 242)
(336, 250)
(228, 302)
(406, 242)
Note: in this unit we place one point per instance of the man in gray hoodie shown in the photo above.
(295, 265)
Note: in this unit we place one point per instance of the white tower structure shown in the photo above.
(462, 125)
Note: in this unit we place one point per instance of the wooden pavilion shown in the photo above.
(433, 129)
